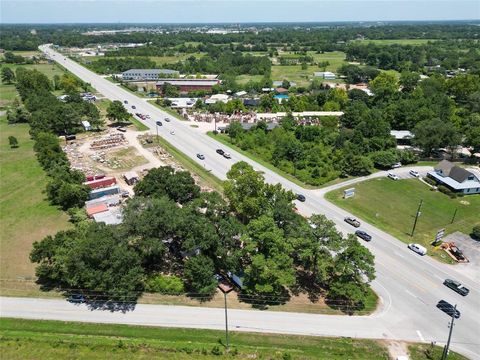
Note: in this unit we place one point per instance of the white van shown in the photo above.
(419, 249)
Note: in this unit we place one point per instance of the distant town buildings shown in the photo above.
(186, 85)
(327, 75)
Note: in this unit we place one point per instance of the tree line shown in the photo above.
(175, 238)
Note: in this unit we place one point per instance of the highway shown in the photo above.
(409, 285)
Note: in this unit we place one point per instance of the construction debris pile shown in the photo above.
(109, 141)
(248, 117)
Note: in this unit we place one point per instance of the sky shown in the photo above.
(233, 11)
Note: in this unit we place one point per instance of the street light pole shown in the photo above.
(416, 218)
(445, 349)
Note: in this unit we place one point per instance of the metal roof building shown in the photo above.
(147, 74)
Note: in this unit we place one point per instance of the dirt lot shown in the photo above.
(471, 249)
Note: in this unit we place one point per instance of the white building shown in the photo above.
(148, 74)
(455, 178)
(327, 75)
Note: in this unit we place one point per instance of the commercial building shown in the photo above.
(186, 85)
(101, 183)
(98, 193)
(148, 74)
(455, 178)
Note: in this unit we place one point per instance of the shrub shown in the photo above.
(446, 191)
(430, 181)
(165, 284)
(476, 232)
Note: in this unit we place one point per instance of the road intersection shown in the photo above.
(409, 285)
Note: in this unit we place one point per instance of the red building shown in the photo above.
(101, 183)
(186, 85)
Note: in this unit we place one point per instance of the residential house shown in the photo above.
(456, 178)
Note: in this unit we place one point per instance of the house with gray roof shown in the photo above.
(455, 178)
(148, 74)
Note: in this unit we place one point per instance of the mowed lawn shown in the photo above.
(392, 205)
(25, 214)
(30, 339)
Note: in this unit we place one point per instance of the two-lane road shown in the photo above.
(409, 285)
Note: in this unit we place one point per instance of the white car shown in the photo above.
(393, 176)
(172, 132)
(419, 249)
(397, 165)
(227, 155)
(414, 173)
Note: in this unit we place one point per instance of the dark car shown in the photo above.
(122, 129)
(220, 151)
(363, 235)
(456, 286)
(300, 197)
(76, 299)
(201, 156)
(134, 107)
(167, 119)
(352, 221)
(159, 123)
(125, 101)
(448, 309)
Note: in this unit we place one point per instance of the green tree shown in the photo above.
(13, 142)
(116, 112)
(234, 130)
(177, 185)
(8, 76)
(409, 80)
(384, 159)
(354, 269)
(384, 85)
(199, 274)
(434, 134)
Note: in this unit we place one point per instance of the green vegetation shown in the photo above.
(138, 124)
(397, 41)
(391, 206)
(168, 110)
(59, 340)
(191, 165)
(27, 216)
(422, 351)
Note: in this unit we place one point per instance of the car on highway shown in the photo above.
(363, 235)
(134, 107)
(125, 101)
(419, 249)
(227, 155)
(300, 197)
(456, 286)
(393, 176)
(167, 119)
(220, 151)
(159, 123)
(76, 299)
(172, 132)
(396, 165)
(448, 308)
(201, 156)
(414, 173)
(352, 221)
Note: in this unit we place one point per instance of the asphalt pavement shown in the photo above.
(409, 285)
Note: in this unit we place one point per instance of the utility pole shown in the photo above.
(445, 349)
(158, 139)
(416, 217)
(454, 214)
(226, 320)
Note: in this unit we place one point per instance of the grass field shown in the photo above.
(26, 215)
(392, 205)
(243, 79)
(31, 339)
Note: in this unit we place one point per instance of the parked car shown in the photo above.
(300, 197)
(201, 156)
(396, 165)
(159, 123)
(393, 176)
(414, 173)
(76, 299)
(167, 119)
(448, 309)
(352, 221)
(456, 286)
(134, 107)
(220, 151)
(227, 155)
(419, 249)
(363, 235)
(122, 129)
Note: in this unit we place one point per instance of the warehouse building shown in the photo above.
(148, 74)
